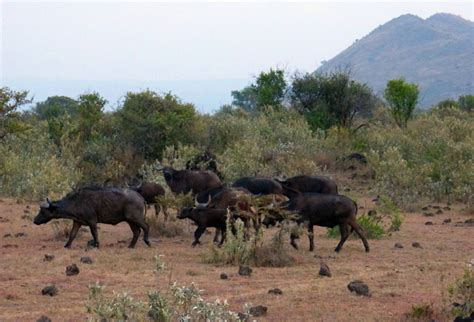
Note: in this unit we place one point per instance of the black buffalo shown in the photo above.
(150, 191)
(314, 184)
(184, 181)
(323, 210)
(259, 185)
(90, 206)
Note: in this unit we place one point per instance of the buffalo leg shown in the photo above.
(136, 233)
(165, 211)
(216, 236)
(311, 237)
(224, 235)
(93, 228)
(143, 225)
(197, 234)
(358, 229)
(344, 235)
(293, 238)
(73, 233)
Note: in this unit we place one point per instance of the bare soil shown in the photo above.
(397, 278)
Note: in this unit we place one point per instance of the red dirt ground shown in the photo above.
(398, 278)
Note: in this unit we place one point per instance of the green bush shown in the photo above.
(462, 292)
(421, 311)
(372, 226)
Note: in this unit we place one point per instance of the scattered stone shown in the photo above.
(435, 207)
(428, 223)
(245, 270)
(26, 211)
(10, 246)
(275, 291)
(258, 310)
(43, 318)
(7, 235)
(447, 221)
(72, 270)
(25, 217)
(50, 290)
(2, 220)
(21, 235)
(27, 206)
(359, 287)
(242, 316)
(424, 208)
(428, 214)
(86, 260)
(324, 270)
(447, 208)
(48, 258)
(376, 199)
(224, 276)
(469, 222)
(416, 245)
(398, 245)
(372, 213)
(439, 212)
(347, 189)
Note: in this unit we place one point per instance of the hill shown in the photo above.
(436, 53)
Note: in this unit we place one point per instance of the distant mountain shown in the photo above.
(436, 53)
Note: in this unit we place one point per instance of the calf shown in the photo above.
(204, 218)
(150, 191)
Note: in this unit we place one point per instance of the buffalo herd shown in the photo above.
(310, 201)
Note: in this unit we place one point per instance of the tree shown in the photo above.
(90, 109)
(448, 103)
(466, 103)
(402, 98)
(10, 101)
(268, 90)
(55, 106)
(150, 122)
(331, 99)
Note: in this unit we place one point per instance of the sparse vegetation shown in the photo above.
(462, 293)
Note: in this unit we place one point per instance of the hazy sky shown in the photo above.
(186, 41)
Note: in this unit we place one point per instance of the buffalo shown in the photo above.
(323, 210)
(259, 185)
(313, 184)
(184, 181)
(150, 191)
(90, 206)
(205, 217)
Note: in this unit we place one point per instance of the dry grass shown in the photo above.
(398, 278)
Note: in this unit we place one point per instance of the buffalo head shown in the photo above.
(47, 212)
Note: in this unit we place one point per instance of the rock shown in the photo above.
(86, 260)
(21, 235)
(447, 208)
(447, 221)
(275, 291)
(359, 287)
(72, 270)
(416, 245)
(7, 235)
(224, 276)
(372, 213)
(469, 222)
(324, 270)
(428, 223)
(245, 270)
(258, 310)
(43, 318)
(435, 207)
(398, 245)
(48, 258)
(439, 212)
(50, 290)
(424, 208)
(428, 214)
(242, 316)
(2, 220)
(10, 246)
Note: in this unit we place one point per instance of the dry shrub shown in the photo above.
(274, 253)
(171, 228)
(61, 228)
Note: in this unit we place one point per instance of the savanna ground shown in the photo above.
(397, 278)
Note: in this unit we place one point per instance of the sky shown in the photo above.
(181, 44)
